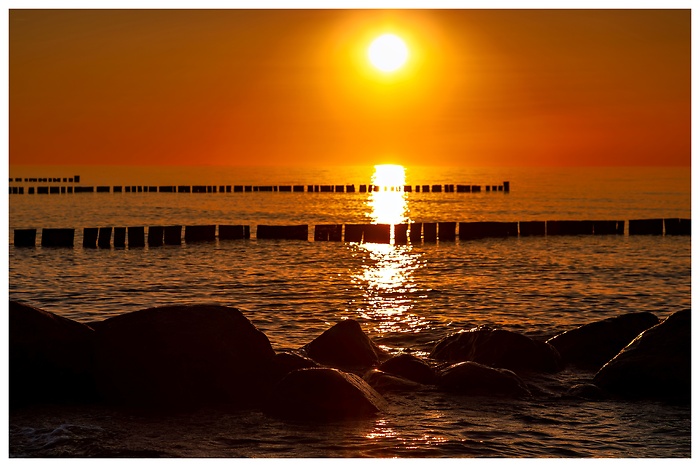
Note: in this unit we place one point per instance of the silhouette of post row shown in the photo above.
(415, 233)
(446, 188)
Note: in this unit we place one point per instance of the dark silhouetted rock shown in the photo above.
(594, 344)
(50, 357)
(587, 391)
(655, 365)
(498, 348)
(345, 346)
(183, 356)
(474, 379)
(384, 382)
(324, 394)
(286, 362)
(409, 367)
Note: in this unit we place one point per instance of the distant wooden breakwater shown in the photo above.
(414, 233)
(71, 189)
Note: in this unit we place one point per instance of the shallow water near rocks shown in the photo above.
(406, 297)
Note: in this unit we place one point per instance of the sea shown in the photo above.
(406, 297)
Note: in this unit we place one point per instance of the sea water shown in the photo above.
(406, 297)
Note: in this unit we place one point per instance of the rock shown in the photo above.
(344, 346)
(384, 382)
(410, 367)
(183, 356)
(286, 362)
(474, 379)
(586, 391)
(594, 344)
(50, 357)
(655, 365)
(324, 394)
(498, 348)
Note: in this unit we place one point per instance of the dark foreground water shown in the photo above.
(406, 297)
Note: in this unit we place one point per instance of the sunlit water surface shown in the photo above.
(405, 296)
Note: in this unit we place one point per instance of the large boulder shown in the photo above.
(344, 346)
(474, 379)
(498, 348)
(51, 357)
(323, 394)
(655, 365)
(183, 356)
(410, 367)
(594, 344)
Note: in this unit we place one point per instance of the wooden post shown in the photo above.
(136, 237)
(90, 237)
(400, 234)
(569, 227)
(532, 228)
(200, 233)
(282, 232)
(25, 238)
(416, 233)
(353, 233)
(104, 238)
(677, 226)
(57, 237)
(646, 227)
(234, 232)
(328, 233)
(605, 227)
(377, 233)
(429, 232)
(119, 237)
(172, 235)
(155, 236)
(477, 230)
(446, 231)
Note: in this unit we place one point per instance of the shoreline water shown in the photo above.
(404, 296)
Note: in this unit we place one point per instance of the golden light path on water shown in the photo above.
(387, 276)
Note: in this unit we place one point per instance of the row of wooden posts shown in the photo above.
(106, 237)
(447, 188)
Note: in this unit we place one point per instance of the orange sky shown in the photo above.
(293, 87)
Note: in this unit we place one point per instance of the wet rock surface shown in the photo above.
(50, 357)
(409, 367)
(323, 394)
(656, 365)
(498, 348)
(594, 344)
(182, 356)
(475, 379)
(346, 346)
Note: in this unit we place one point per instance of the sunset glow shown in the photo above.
(270, 87)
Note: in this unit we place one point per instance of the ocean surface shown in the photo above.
(405, 296)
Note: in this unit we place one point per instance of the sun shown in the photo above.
(388, 53)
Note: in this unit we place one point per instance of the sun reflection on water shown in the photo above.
(386, 278)
(387, 201)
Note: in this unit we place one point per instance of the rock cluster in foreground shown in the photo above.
(177, 357)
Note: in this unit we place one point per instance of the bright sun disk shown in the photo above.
(388, 53)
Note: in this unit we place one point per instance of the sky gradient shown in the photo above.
(294, 87)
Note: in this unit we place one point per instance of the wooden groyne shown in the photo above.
(74, 188)
(413, 233)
